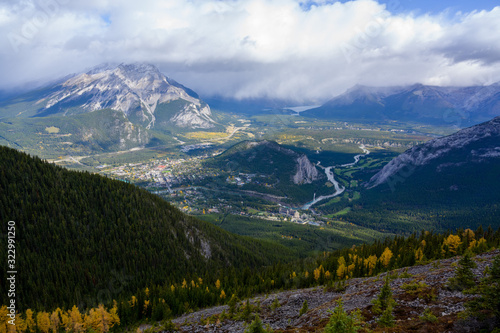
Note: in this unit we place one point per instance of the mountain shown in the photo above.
(473, 148)
(273, 168)
(109, 108)
(135, 89)
(446, 183)
(460, 106)
(77, 234)
(268, 157)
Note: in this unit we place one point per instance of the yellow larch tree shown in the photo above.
(75, 322)
(342, 269)
(222, 294)
(20, 324)
(133, 301)
(386, 256)
(43, 321)
(451, 244)
(469, 235)
(30, 322)
(217, 284)
(419, 254)
(55, 321)
(4, 318)
(370, 263)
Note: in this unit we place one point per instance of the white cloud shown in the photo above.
(250, 48)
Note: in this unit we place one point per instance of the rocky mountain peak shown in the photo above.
(135, 89)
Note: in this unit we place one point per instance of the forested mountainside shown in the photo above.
(75, 232)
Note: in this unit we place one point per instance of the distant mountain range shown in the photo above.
(459, 106)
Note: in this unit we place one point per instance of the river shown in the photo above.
(329, 174)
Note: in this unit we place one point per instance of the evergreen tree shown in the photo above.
(487, 305)
(256, 327)
(463, 278)
(385, 304)
(304, 309)
(341, 322)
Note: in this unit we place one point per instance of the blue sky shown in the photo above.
(437, 6)
(257, 48)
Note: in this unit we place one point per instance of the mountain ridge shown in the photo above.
(460, 106)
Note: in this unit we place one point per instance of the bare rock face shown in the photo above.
(306, 171)
(129, 88)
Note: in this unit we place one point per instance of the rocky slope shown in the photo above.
(135, 89)
(473, 146)
(444, 304)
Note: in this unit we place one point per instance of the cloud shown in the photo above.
(251, 48)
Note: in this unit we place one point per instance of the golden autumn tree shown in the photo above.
(30, 322)
(100, 320)
(4, 318)
(386, 256)
(21, 326)
(419, 254)
(342, 269)
(317, 272)
(222, 294)
(75, 320)
(55, 321)
(217, 284)
(451, 244)
(43, 321)
(370, 263)
(469, 235)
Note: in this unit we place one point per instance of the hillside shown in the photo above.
(78, 233)
(415, 290)
(276, 170)
(445, 183)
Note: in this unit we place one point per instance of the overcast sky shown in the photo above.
(257, 48)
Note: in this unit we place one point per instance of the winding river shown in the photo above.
(329, 174)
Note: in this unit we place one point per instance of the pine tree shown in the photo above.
(256, 327)
(341, 322)
(385, 304)
(464, 278)
(488, 302)
(304, 309)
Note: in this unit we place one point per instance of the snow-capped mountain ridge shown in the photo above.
(131, 88)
